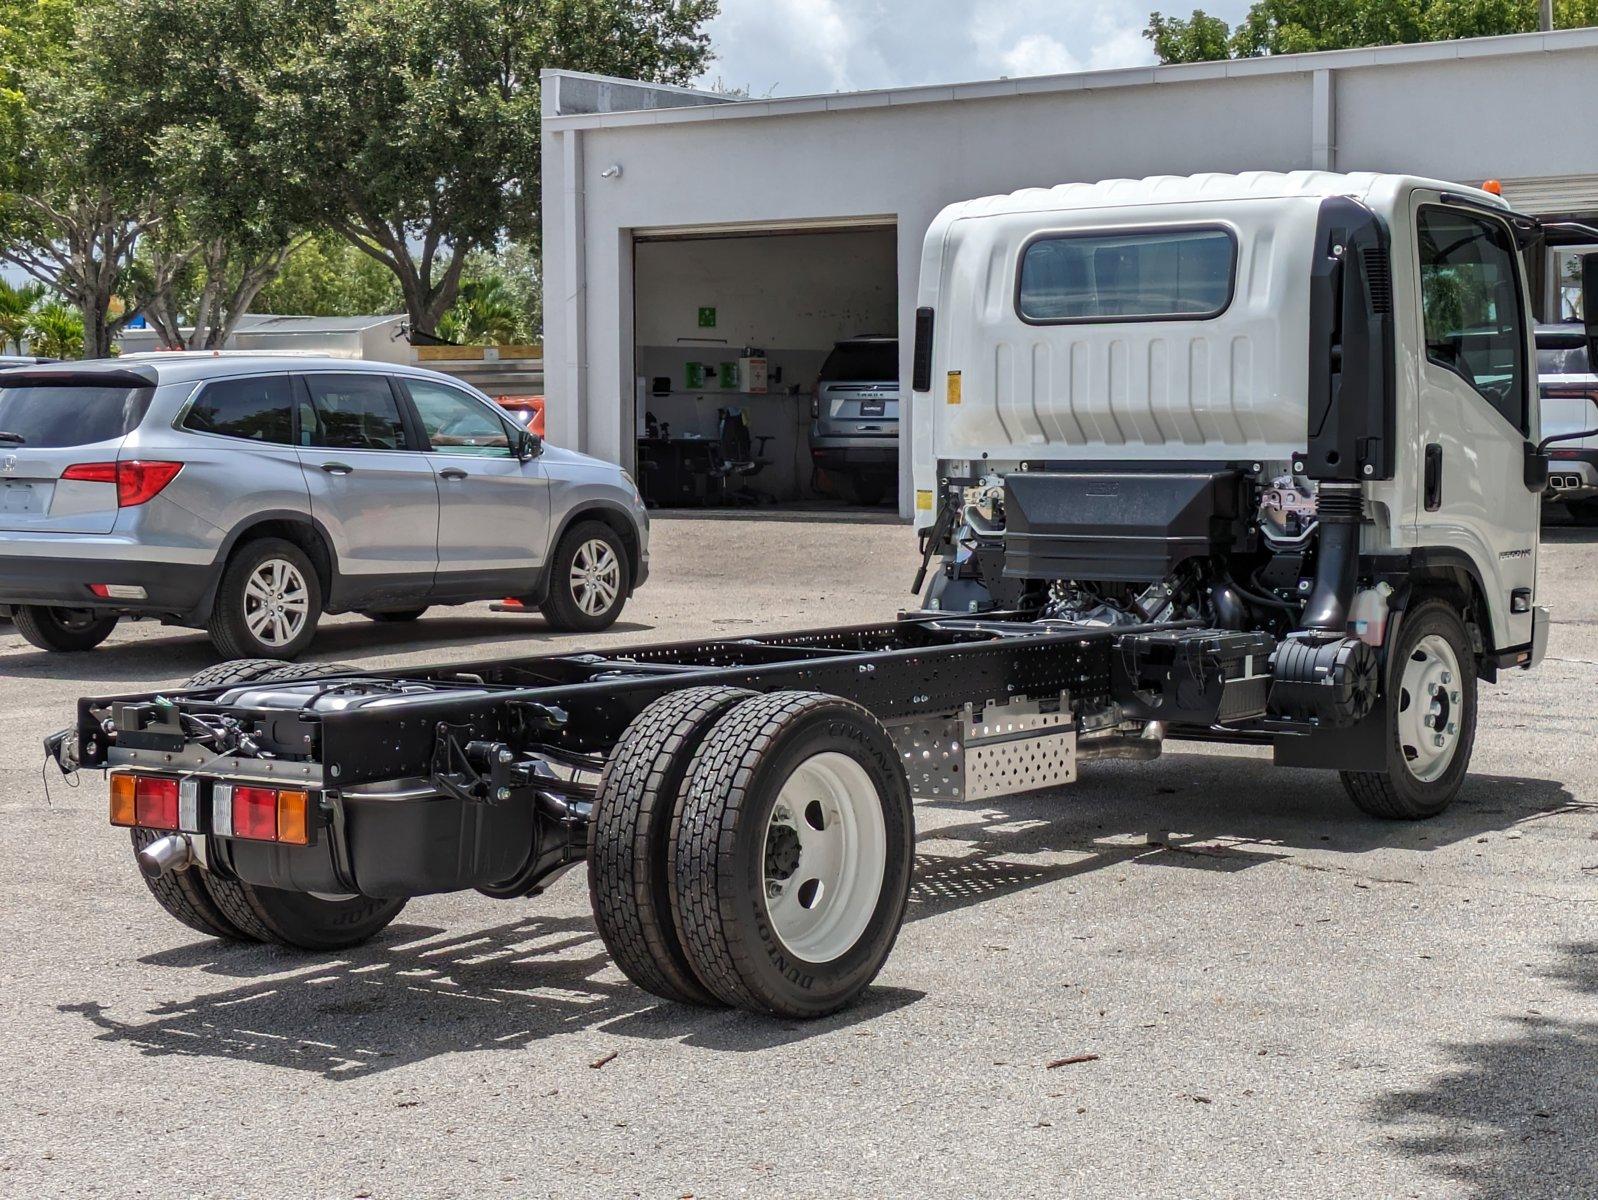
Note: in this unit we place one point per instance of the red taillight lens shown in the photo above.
(138, 481)
(91, 472)
(155, 802)
(255, 813)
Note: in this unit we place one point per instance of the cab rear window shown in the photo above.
(1127, 275)
(69, 415)
(1562, 359)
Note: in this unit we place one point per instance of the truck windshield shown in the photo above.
(1131, 275)
(70, 415)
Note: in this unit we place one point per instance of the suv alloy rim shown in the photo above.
(825, 856)
(595, 577)
(1429, 708)
(276, 602)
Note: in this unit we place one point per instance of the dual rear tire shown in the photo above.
(752, 851)
(222, 907)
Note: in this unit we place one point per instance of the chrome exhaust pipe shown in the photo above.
(164, 855)
(1140, 747)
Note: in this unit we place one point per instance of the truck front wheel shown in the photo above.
(1431, 718)
(793, 847)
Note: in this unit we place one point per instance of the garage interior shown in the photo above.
(732, 329)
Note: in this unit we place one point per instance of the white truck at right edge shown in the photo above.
(1300, 404)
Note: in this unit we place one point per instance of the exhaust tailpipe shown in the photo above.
(1140, 747)
(164, 855)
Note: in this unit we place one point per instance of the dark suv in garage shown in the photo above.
(854, 429)
(249, 494)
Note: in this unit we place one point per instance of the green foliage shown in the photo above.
(415, 123)
(329, 277)
(1299, 26)
(1199, 38)
(55, 330)
(16, 306)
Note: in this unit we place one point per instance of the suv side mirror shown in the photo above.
(528, 445)
(1589, 306)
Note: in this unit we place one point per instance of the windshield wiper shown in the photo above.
(12, 437)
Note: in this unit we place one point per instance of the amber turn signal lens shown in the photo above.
(294, 818)
(122, 802)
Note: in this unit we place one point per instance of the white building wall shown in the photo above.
(1491, 108)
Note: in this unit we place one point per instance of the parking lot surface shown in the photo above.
(1195, 977)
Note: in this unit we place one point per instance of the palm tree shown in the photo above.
(16, 304)
(485, 313)
(55, 330)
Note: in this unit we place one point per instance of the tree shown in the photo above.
(74, 200)
(55, 330)
(197, 72)
(16, 305)
(1199, 38)
(329, 277)
(415, 123)
(1298, 26)
(484, 313)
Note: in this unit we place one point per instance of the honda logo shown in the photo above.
(10, 464)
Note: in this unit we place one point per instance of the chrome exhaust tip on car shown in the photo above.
(164, 855)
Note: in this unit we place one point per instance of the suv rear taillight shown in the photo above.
(815, 402)
(137, 480)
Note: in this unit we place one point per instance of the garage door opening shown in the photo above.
(766, 368)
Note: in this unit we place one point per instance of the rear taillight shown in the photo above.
(263, 814)
(137, 481)
(815, 403)
(150, 801)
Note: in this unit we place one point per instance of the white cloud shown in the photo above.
(794, 47)
(1039, 54)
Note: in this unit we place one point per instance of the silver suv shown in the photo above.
(854, 427)
(249, 494)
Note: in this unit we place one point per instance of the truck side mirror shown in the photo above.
(1589, 306)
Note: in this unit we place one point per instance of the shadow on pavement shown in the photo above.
(186, 651)
(417, 992)
(1516, 1116)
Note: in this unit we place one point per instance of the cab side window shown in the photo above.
(1472, 307)
(456, 423)
(257, 409)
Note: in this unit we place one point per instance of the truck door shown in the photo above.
(1477, 405)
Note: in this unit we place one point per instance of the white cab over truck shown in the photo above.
(1238, 458)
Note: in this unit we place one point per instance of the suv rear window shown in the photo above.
(1132, 275)
(259, 409)
(862, 362)
(69, 415)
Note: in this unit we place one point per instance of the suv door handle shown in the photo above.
(452, 473)
(337, 468)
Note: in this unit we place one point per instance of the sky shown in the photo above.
(802, 47)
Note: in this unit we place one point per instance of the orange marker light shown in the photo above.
(122, 805)
(294, 818)
(1493, 186)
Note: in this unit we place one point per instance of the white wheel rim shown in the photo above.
(1430, 708)
(825, 855)
(595, 577)
(277, 602)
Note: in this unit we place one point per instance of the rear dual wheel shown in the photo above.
(232, 909)
(787, 861)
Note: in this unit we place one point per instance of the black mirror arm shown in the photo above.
(1542, 446)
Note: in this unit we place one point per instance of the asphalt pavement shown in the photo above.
(1200, 976)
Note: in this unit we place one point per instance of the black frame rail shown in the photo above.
(918, 666)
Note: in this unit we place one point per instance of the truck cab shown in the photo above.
(1302, 403)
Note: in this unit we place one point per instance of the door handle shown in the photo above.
(337, 468)
(452, 473)
(1433, 482)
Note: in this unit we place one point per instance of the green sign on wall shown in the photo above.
(707, 318)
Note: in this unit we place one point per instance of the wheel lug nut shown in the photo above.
(1453, 697)
(1453, 728)
(773, 889)
(1438, 740)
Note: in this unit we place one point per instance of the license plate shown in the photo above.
(872, 408)
(19, 498)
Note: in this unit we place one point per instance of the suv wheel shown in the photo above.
(589, 579)
(269, 602)
(63, 629)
